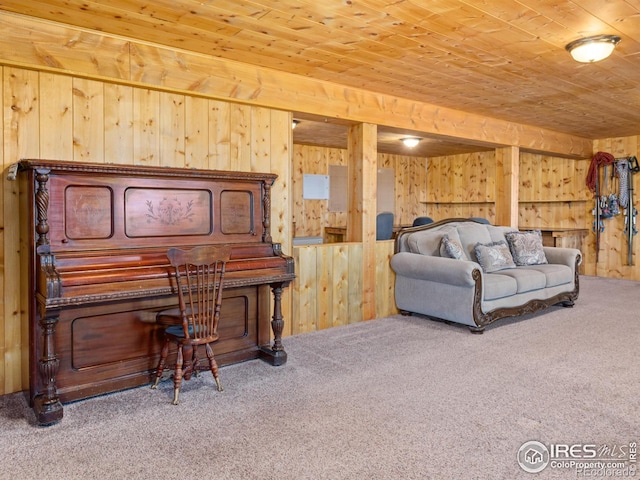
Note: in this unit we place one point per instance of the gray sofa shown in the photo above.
(466, 272)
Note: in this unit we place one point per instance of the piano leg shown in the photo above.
(275, 354)
(47, 405)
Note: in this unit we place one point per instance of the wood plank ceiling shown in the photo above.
(497, 58)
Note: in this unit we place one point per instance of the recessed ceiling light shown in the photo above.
(410, 141)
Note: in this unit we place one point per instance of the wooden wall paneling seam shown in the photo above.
(340, 285)
(146, 135)
(219, 135)
(56, 107)
(356, 283)
(196, 132)
(172, 124)
(118, 124)
(324, 287)
(240, 138)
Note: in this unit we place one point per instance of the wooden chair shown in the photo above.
(199, 275)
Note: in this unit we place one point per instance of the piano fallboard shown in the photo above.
(76, 278)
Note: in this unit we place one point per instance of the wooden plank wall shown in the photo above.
(56, 116)
(311, 216)
(327, 291)
(461, 186)
(328, 288)
(552, 192)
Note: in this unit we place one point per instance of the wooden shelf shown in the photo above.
(486, 202)
(456, 202)
(577, 200)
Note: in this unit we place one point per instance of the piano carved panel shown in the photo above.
(98, 272)
(88, 212)
(154, 212)
(236, 212)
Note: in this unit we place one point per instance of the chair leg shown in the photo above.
(214, 366)
(177, 377)
(163, 358)
(188, 355)
(195, 361)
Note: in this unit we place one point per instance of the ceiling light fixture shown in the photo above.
(410, 141)
(592, 49)
(294, 124)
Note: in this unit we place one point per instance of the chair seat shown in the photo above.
(178, 332)
(171, 316)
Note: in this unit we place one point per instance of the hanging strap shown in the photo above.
(622, 167)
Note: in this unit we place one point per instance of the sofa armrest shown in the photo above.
(562, 256)
(435, 269)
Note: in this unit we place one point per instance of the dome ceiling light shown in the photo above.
(592, 49)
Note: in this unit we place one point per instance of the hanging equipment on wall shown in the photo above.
(593, 182)
(608, 201)
(630, 165)
(622, 167)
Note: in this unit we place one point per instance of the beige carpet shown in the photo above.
(395, 398)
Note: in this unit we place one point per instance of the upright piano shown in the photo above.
(96, 241)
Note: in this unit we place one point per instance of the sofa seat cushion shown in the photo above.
(555, 274)
(526, 279)
(499, 286)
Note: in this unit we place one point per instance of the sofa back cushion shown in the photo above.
(466, 234)
(473, 233)
(428, 242)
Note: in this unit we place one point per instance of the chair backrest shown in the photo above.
(422, 221)
(199, 276)
(384, 226)
(480, 220)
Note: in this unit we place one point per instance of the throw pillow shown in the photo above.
(494, 256)
(451, 249)
(526, 247)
